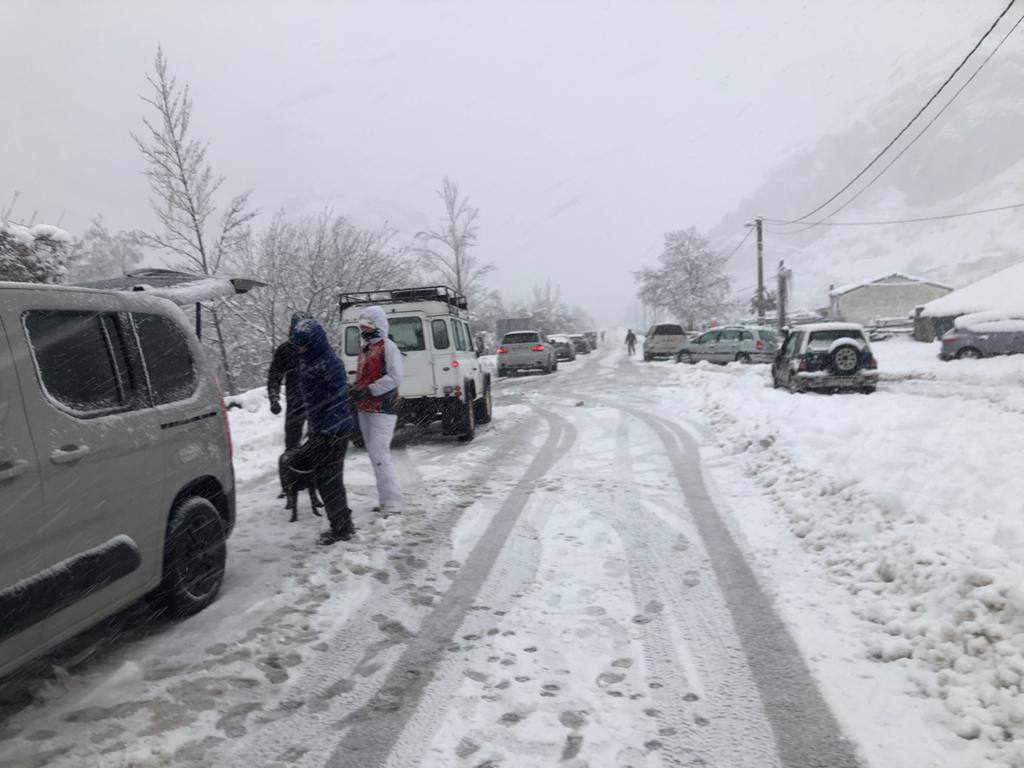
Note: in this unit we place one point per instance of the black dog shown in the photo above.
(296, 471)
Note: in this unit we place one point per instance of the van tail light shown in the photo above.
(455, 363)
(538, 348)
(457, 394)
(759, 346)
(227, 423)
(502, 350)
(803, 364)
(872, 363)
(950, 339)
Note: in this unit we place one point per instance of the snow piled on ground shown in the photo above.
(913, 500)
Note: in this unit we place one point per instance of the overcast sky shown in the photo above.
(582, 130)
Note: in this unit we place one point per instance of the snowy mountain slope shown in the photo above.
(971, 158)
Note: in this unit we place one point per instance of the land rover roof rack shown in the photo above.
(401, 295)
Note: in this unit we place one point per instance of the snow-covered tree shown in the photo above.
(35, 254)
(100, 253)
(690, 282)
(445, 251)
(185, 189)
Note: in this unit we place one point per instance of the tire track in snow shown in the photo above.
(706, 700)
(374, 732)
(807, 734)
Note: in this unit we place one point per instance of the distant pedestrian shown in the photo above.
(329, 412)
(631, 342)
(377, 399)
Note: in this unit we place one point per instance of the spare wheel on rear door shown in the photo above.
(845, 358)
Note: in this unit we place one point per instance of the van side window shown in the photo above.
(352, 340)
(461, 343)
(73, 353)
(168, 359)
(440, 329)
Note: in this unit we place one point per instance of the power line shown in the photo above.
(942, 217)
(906, 128)
(739, 245)
(920, 133)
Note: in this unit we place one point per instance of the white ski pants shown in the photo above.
(378, 429)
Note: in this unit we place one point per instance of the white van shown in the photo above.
(444, 378)
(115, 463)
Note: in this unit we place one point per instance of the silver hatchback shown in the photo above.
(737, 344)
(115, 463)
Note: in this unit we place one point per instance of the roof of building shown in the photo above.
(889, 278)
(1002, 291)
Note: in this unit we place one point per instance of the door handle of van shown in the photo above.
(11, 469)
(67, 454)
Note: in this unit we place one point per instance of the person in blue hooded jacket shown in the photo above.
(330, 422)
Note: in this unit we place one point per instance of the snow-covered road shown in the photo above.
(635, 565)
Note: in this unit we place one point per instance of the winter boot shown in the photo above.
(334, 535)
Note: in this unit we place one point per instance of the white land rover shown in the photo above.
(444, 377)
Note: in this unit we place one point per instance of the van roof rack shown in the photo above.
(400, 295)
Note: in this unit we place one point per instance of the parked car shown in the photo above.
(983, 335)
(828, 357)
(443, 377)
(526, 351)
(115, 463)
(730, 344)
(580, 343)
(564, 348)
(663, 340)
(591, 337)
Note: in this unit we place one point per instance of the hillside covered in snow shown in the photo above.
(971, 158)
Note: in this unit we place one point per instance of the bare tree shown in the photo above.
(100, 253)
(690, 282)
(445, 250)
(305, 263)
(184, 189)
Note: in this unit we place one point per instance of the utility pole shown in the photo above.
(760, 268)
(782, 294)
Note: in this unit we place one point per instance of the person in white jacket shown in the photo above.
(377, 399)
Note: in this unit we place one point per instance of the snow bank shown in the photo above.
(916, 510)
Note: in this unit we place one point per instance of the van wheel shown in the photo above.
(968, 353)
(743, 358)
(484, 406)
(469, 421)
(194, 556)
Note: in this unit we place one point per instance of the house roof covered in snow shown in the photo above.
(889, 278)
(1002, 291)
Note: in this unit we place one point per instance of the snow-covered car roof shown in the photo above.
(828, 327)
(996, 321)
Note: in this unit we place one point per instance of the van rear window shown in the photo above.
(668, 330)
(408, 334)
(521, 338)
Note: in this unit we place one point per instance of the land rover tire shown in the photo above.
(195, 553)
(484, 405)
(468, 422)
